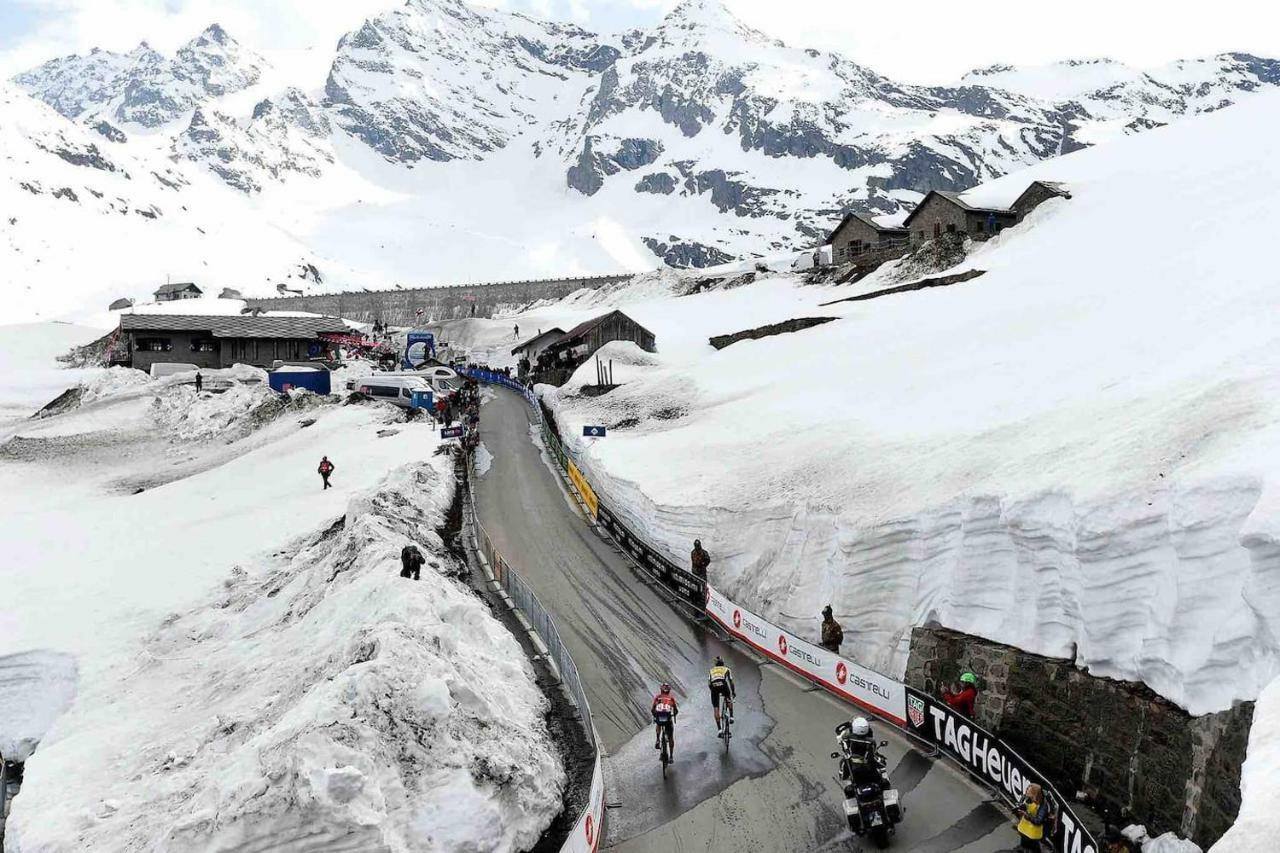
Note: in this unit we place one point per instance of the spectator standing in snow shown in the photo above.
(699, 560)
(1034, 817)
(325, 469)
(199, 382)
(832, 633)
(962, 695)
(411, 561)
(517, 331)
(440, 407)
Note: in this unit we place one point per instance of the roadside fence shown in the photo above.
(588, 830)
(985, 757)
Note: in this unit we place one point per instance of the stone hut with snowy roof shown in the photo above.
(1036, 194)
(944, 212)
(533, 347)
(178, 290)
(859, 234)
(224, 340)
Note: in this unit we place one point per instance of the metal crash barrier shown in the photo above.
(588, 830)
(981, 754)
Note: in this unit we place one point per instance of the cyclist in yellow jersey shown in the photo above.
(721, 683)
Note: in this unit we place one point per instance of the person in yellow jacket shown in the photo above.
(1035, 818)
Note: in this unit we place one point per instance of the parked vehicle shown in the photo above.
(394, 389)
(870, 806)
(442, 381)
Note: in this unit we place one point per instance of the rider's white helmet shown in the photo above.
(861, 728)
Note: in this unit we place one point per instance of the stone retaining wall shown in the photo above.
(1133, 751)
(401, 307)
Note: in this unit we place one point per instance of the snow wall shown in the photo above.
(985, 757)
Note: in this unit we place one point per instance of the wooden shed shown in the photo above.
(224, 340)
(585, 338)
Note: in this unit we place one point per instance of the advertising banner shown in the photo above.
(678, 580)
(857, 684)
(993, 762)
(588, 832)
(584, 489)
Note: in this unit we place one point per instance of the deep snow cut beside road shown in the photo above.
(248, 658)
(1073, 453)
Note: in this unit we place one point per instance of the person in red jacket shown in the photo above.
(962, 699)
(664, 710)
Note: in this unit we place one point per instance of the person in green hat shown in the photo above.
(963, 694)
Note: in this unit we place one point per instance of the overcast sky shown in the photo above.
(922, 41)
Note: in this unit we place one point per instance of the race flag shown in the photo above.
(593, 431)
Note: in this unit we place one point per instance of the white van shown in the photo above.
(442, 381)
(393, 389)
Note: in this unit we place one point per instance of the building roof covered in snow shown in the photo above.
(176, 288)
(539, 341)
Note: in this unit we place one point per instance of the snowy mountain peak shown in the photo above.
(693, 20)
(143, 87)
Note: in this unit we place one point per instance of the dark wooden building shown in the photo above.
(579, 342)
(1036, 194)
(120, 304)
(947, 213)
(178, 290)
(858, 234)
(221, 341)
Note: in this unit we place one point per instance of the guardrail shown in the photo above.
(588, 830)
(983, 756)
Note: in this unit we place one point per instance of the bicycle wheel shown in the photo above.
(666, 754)
(725, 725)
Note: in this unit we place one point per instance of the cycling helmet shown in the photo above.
(666, 688)
(719, 661)
(861, 728)
(969, 678)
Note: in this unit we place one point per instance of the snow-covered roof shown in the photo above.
(556, 333)
(956, 199)
(867, 220)
(177, 287)
(242, 326)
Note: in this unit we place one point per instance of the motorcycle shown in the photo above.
(870, 806)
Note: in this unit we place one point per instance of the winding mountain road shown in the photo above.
(775, 789)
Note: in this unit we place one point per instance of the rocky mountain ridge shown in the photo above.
(702, 137)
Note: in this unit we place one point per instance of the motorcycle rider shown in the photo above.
(664, 710)
(720, 680)
(859, 745)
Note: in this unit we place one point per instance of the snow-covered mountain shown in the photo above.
(690, 143)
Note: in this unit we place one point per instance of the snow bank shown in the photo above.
(316, 700)
(30, 375)
(1074, 453)
(1258, 825)
(35, 689)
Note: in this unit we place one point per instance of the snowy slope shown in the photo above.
(691, 143)
(250, 666)
(87, 220)
(1073, 453)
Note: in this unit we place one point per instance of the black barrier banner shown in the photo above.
(995, 763)
(683, 583)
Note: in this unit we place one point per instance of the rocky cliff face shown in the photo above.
(753, 146)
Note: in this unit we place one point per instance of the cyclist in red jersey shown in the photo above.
(664, 710)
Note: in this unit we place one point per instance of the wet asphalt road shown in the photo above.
(774, 790)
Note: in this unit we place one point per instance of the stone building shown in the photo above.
(1036, 194)
(120, 304)
(221, 341)
(858, 234)
(1131, 751)
(178, 290)
(947, 213)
